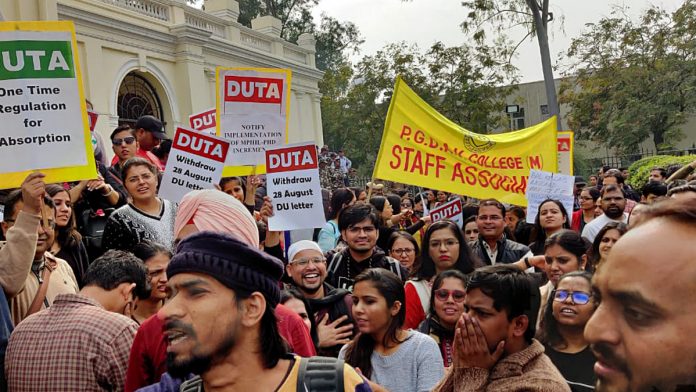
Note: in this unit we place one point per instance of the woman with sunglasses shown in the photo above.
(446, 306)
(561, 330)
(391, 358)
(444, 249)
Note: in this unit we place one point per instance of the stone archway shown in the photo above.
(137, 97)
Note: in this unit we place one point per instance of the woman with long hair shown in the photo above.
(407, 204)
(391, 358)
(390, 214)
(156, 258)
(471, 231)
(330, 235)
(604, 241)
(561, 330)
(444, 248)
(146, 216)
(551, 218)
(586, 213)
(446, 306)
(68, 243)
(404, 248)
(293, 299)
(564, 251)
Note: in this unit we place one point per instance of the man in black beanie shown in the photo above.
(220, 324)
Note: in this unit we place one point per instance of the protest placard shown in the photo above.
(451, 210)
(195, 162)
(253, 107)
(566, 143)
(545, 185)
(421, 147)
(42, 108)
(292, 181)
(204, 121)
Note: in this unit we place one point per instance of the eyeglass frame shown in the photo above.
(448, 244)
(305, 261)
(571, 294)
(450, 293)
(401, 251)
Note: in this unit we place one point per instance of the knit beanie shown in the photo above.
(299, 246)
(232, 262)
(213, 210)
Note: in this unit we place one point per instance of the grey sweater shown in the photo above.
(416, 366)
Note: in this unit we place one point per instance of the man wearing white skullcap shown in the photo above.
(330, 306)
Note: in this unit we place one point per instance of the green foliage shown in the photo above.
(632, 80)
(460, 82)
(640, 170)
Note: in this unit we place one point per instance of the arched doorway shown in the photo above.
(137, 97)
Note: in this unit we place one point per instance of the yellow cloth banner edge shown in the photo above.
(63, 174)
(229, 171)
(447, 122)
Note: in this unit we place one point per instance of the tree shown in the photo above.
(461, 82)
(633, 79)
(503, 15)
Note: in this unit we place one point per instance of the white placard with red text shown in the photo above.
(292, 181)
(205, 122)
(451, 210)
(252, 108)
(195, 162)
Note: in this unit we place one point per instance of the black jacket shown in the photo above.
(508, 251)
(336, 303)
(342, 268)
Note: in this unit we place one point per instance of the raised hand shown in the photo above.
(33, 191)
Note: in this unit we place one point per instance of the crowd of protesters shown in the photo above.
(202, 296)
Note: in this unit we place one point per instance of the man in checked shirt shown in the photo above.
(82, 342)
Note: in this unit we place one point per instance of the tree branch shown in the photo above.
(512, 53)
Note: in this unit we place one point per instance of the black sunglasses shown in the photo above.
(127, 139)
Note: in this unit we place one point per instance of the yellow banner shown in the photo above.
(422, 147)
(46, 127)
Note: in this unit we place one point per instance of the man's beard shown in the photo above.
(200, 363)
(613, 212)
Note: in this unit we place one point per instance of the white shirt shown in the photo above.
(591, 229)
(345, 163)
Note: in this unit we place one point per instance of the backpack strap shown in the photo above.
(192, 385)
(395, 267)
(335, 263)
(320, 374)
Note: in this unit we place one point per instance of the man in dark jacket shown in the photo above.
(330, 307)
(492, 247)
(358, 226)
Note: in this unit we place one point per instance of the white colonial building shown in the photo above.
(159, 57)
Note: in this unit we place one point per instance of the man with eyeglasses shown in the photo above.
(331, 307)
(494, 345)
(613, 204)
(358, 225)
(125, 146)
(492, 246)
(48, 276)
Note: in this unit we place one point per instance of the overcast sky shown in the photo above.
(426, 21)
